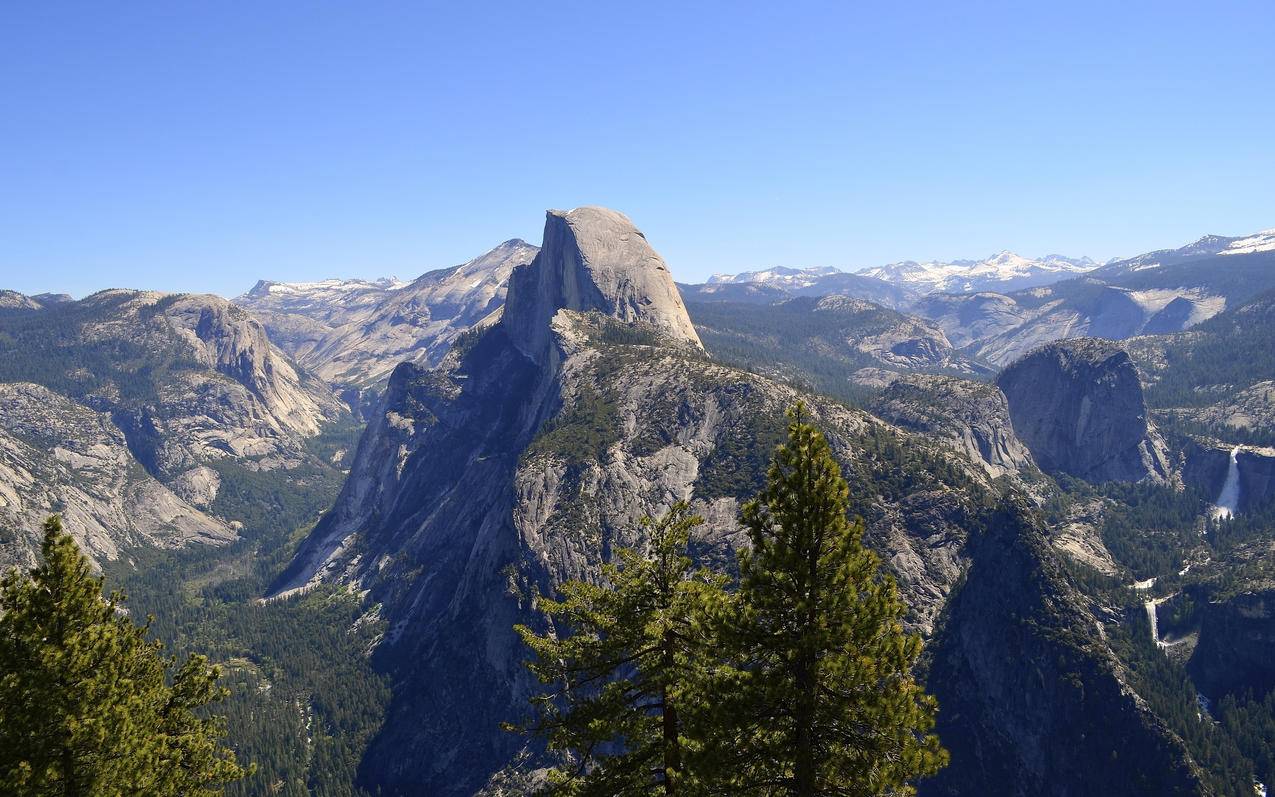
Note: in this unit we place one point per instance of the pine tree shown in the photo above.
(85, 704)
(819, 698)
(625, 658)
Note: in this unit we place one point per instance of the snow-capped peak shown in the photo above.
(327, 286)
(779, 276)
(1002, 271)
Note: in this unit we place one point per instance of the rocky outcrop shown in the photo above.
(971, 417)
(189, 379)
(1031, 698)
(57, 456)
(1078, 407)
(161, 390)
(353, 333)
(971, 317)
(593, 259)
(1248, 411)
(12, 300)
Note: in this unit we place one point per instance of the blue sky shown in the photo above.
(201, 146)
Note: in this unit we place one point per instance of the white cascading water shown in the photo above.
(1228, 501)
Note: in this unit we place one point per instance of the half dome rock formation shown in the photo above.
(593, 259)
(1078, 406)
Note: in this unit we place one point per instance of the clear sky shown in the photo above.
(200, 146)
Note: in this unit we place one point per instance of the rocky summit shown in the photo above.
(1078, 406)
(593, 260)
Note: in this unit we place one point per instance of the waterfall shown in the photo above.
(1150, 606)
(1228, 501)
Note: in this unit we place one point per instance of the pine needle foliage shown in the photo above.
(819, 696)
(87, 707)
(625, 662)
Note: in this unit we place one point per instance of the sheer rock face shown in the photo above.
(593, 259)
(58, 456)
(1236, 638)
(499, 473)
(971, 417)
(1079, 408)
(1028, 688)
(494, 476)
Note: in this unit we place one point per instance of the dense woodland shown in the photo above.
(1216, 358)
(304, 698)
(793, 342)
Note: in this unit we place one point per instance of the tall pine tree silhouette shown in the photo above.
(86, 707)
(819, 697)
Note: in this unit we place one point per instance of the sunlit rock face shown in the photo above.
(1078, 406)
(593, 259)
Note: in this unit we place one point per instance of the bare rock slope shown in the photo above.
(57, 456)
(972, 417)
(115, 407)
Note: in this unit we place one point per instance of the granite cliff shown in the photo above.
(1078, 406)
(120, 407)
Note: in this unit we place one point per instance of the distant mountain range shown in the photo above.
(898, 284)
(1166, 291)
(908, 280)
(353, 332)
(1004, 271)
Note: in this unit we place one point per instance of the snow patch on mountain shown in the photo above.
(779, 277)
(1263, 241)
(1002, 271)
(319, 288)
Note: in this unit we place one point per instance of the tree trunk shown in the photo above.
(804, 780)
(803, 722)
(672, 746)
